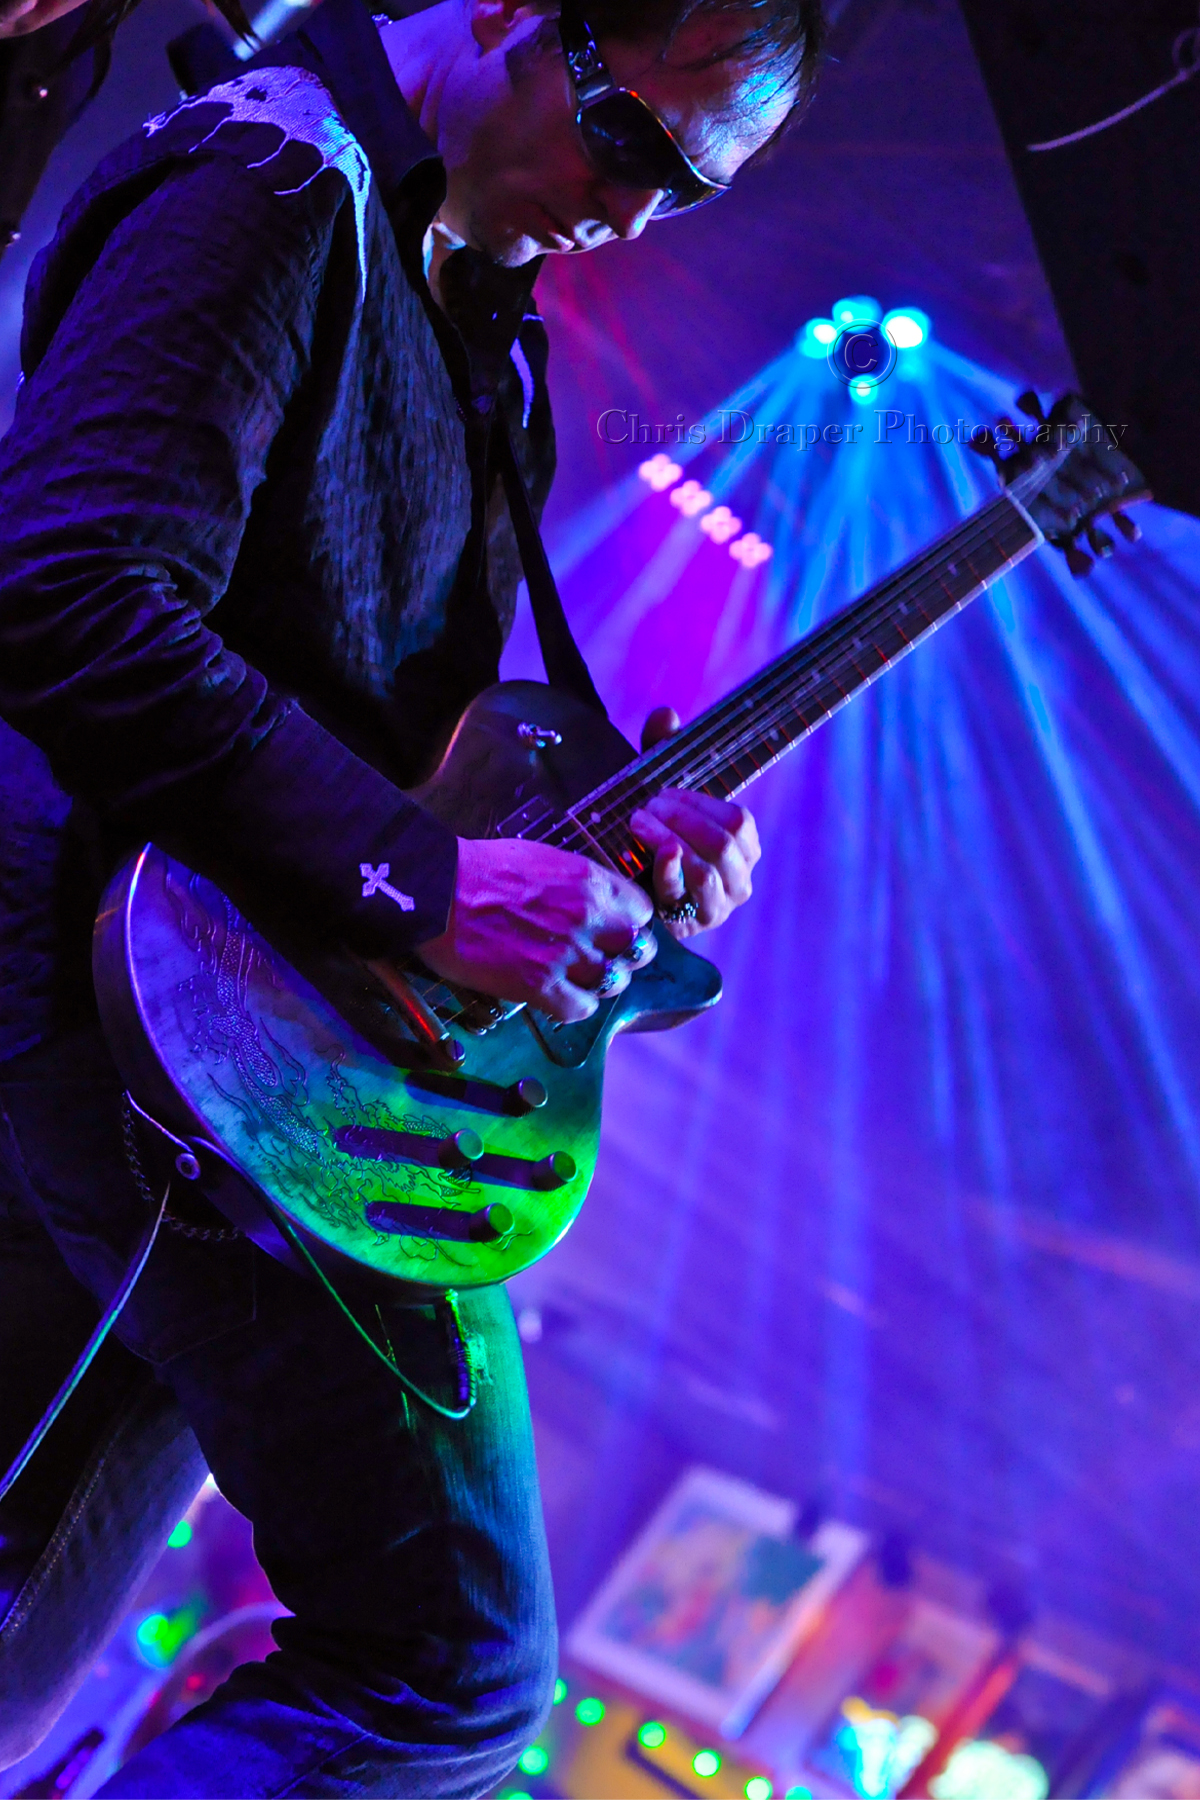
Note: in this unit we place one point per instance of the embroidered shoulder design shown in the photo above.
(303, 110)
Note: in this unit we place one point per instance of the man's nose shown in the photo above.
(629, 210)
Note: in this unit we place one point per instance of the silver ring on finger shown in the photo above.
(684, 909)
(612, 979)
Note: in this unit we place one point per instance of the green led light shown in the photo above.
(560, 1691)
(160, 1638)
(533, 1761)
(706, 1762)
(514, 1794)
(181, 1536)
(652, 1734)
(590, 1711)
(798, 1793)
(758, 1788)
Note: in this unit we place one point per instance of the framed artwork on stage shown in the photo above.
(711, 1601)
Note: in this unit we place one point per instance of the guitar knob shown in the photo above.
(555, 1170)
(1128, 528)
(461, 1150)
(491, 1222)
(525, 1096)
(1100, 542)
(1079, 562)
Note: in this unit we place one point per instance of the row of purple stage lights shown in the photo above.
(695, 502)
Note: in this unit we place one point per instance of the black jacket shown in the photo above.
(254, 557)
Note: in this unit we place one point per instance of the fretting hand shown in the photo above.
(704, 850)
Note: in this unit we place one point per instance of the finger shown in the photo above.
(662, 723)
(643, 949)
(563, 1000)
(15, 15)
(668, 856)
(706, 889)
(706, 822)
(620, 910)
(729, 844)
(612, 978)
(26, 16)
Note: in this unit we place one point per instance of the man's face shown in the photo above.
(520, 182)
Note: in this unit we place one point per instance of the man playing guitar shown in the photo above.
(254, 561)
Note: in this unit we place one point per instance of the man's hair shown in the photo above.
(785, 36)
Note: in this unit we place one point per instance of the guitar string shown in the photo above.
(783, 683)
(789, 673)
(971, 531)
(710, 763)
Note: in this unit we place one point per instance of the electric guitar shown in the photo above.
(388, 1127)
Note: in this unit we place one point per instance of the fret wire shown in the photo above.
(704, 777)
(779, 684)
(776, 677)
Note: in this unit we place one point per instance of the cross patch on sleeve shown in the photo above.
(375, 881)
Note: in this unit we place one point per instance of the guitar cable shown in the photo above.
(108, 1319)
(447, 1309)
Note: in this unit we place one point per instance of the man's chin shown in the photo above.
(515, 252)
(510, 247)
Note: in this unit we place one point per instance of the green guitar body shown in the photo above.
(310, 1106)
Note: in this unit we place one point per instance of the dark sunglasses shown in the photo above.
(624, 138)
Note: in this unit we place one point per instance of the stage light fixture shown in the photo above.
(181, 1536)
(859, 309)
(590, 1710)
(907, 326)
(690, 498)
(652, 1735)
(706, 1763)
(560, 1691)
(815, 338)
(659, 472)
(751, 550)
(533, 1761)
(758, 1788)
(720, 525)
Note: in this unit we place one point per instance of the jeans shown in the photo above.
(409, 1549)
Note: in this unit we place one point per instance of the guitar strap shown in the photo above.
(565, 667)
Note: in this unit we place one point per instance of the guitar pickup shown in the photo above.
(462, 1153)
(404, 1218)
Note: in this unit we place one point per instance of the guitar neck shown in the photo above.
(731, 744)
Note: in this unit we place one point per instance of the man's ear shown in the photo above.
(492, 22)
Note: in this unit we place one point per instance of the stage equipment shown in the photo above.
(1099, 116)
(358, 1121)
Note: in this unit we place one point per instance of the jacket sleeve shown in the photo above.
(142, 432)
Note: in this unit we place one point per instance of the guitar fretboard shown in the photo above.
(734, 741)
